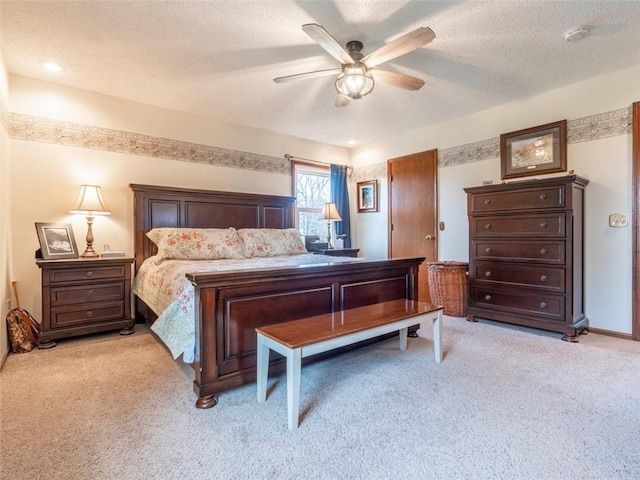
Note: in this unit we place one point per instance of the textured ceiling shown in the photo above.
(218, 58)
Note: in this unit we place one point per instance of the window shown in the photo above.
(312, 189)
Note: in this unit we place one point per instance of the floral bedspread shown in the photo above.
(163, 286)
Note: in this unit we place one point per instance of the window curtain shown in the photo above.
(340, 196)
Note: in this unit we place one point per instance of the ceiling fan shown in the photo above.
(356, 76)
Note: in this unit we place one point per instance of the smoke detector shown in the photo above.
(576, 34)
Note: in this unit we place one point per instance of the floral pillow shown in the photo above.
(270, 242)
(196, 243)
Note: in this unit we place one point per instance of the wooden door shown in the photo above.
(413, 195)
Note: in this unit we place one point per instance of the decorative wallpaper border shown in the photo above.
(37, 129)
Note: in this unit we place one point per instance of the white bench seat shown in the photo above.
(298, 339)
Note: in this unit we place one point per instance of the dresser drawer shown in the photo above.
(518, 302)
(525, 199)
(542, 251)
(550, 225)
(86, 314)
(79, 274)
(541, 277)
(102, 292)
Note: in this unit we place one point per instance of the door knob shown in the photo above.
(429, 237)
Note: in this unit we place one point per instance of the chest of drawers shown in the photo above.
(525, 254)
(85, 296)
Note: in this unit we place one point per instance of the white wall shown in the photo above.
(605, 162)
(5, 224)
(45, 177)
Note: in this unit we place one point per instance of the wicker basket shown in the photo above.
(448, 285)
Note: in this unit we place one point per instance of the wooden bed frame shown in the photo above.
(232, 304)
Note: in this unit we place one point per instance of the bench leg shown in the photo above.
(437, 336)
(294, 367)
(403, 338)
(262, 369)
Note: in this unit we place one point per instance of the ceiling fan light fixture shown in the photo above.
(355, 81)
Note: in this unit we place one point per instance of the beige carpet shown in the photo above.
(504, 404)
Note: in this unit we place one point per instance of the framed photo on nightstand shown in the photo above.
(56, 241)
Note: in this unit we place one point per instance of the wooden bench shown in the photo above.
(308, 336)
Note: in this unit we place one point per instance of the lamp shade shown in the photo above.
(90, 202)
(330, 212)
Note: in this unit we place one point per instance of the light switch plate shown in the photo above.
(618, 220)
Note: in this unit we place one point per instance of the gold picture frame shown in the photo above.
(367, 196)
(533, 151)
(56, 241)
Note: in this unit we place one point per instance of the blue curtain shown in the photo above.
(340, 196)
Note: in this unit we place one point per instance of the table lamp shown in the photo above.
(330, 214)
(90, 203)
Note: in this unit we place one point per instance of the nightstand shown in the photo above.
(339, 252)
(82, 296)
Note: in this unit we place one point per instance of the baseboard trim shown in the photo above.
(609, 333)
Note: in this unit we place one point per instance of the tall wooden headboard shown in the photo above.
(156, 206)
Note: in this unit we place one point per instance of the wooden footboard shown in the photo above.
(232, 304)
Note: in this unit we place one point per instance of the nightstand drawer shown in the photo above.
(112, 272)
(102, 292)
(87, 313)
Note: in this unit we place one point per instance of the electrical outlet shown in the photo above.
(618, 220)
(8, 304)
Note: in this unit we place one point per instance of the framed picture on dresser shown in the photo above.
(56, 241)
(535, 150)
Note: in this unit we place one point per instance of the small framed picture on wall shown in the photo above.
(368, 196)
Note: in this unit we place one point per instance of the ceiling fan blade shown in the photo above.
(341, 100)
(307, 75)
(326, 41)
(397, 79)
(406, 43)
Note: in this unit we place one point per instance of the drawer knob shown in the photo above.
(487, 298)
(543, 278)
(487, 250)
(89, 293)
(89, 273)
(488, 226)
(543, 305)
(543, 251)
(487, 273)
(487, 202)
(543, 196)
(543, 225)
(89, 314)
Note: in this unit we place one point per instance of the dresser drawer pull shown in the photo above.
(543, 196)
(89, 293)
(487, 298)
(487, 250)
(89, 273)
(543, 305)
(487, 226)
(487, 202)
(487, 273)
(543, 278)
(89, 314)
(543, 251)
(543, 225)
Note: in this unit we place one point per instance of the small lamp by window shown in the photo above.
(90, 203)
(330, 214)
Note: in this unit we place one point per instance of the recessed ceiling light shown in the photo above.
(576, 34)
(351, 142)
(51, 66)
